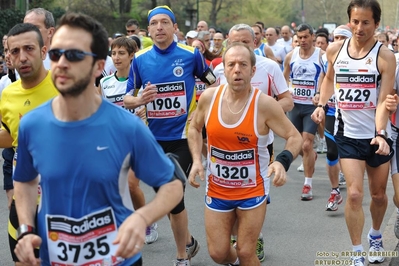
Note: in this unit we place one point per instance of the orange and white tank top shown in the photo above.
(237, 154)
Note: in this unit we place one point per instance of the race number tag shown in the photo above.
(170, 101)
(86, 241)
(302, 90)
(200, 87)
(356, 91)
(233, 169)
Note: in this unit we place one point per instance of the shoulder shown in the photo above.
(143, 52)
(106, 79)
(186, 48)
(12, 87)
(266, 62)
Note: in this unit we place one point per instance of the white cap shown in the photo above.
(192, 34)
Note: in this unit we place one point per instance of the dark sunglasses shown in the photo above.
(72, 55)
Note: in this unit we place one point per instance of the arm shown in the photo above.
(327, 86)
(269, 53)
(285, 101)
(132, 101)
(386, 60)
(287, 68)
(273, 118)
(195, 136)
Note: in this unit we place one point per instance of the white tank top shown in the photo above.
(304, 76)
(357, 85)
(114, 90)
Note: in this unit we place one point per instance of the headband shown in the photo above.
(342, 32)
(161, 10)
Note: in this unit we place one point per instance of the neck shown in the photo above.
(68, 108)
(306, 52)
(122, 73)
(31, 83)
(164, 45)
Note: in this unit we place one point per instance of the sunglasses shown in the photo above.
(130, 31)
(72, 55)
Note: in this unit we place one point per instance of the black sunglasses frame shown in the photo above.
(72, 55)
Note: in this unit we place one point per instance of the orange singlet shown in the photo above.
(237, 155)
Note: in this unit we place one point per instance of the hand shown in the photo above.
(280, 175)
(10, 194)
(149, 93)
(196, 169)
(24, 249)
(318, 115)
(131, 236)
(383, 147)
(391, 102)
(141, 112)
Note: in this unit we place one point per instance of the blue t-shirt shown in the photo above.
(84, 185)
(173, 71)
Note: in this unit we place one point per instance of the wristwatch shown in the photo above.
(325, 107)
(25, 229)
(382, 133)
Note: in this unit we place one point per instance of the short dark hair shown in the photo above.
(257, 26)
(385, 35)
(372, 4)
(260, 23)
(26, 27)
(303, 27)
(129, 44)
(322, 34)
(99, 44)
(132, 22)
(48, 16)
(322, 30)
(136, 39)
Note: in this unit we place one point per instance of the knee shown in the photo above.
(355, 197)
(218, 254)
(244, 253)
(379, 199)
(307, 145)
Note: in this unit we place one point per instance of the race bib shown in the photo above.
(118, 100)
(200, 87)
(356, 91)
(302, 90)
(233, 169)
(86, 241)
(171, 101)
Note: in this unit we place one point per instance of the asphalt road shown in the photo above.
(296, 233)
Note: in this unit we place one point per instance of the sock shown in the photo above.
(308, 181)
(358, 248)
(336, 189)
(237, 262)
(374, 232)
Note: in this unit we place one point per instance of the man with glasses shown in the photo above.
(132, 27)
(85, 216)
(27, 51)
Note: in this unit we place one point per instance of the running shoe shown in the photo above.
(334, 200)
(193, 248)
(260, 252)
(181, 262)
(358, 261)
(342, 181)
(151, 234)
(300, 168)
(322, 147)
(375, 247)
(233, 241)
(396, 228)
(307, 193)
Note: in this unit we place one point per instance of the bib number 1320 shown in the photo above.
(88, 250)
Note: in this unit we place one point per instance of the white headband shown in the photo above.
(342, 32)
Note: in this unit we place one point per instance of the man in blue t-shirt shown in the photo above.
(79, 148)
(166, 71)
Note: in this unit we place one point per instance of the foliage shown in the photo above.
(10, 17)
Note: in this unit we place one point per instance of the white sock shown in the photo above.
(308, 181)
(374, 232)
(358, 248)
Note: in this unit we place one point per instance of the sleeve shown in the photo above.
(148, 160)
(278, 83)
(134, 81)
(24, 171)
(200, 64)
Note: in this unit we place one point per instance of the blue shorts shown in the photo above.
(221, 205)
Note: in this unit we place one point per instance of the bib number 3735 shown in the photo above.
(86, 241)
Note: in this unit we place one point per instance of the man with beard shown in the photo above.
(85, 214)
(27, 51)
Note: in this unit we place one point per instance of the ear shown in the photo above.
(51, 31)
(253, 71)
(43, 52)
(98, 67)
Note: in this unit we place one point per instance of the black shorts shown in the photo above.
(8, 156)
(300, 118)
(13, 224)
(361, 149)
